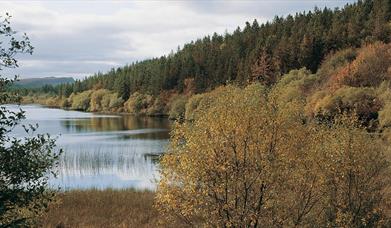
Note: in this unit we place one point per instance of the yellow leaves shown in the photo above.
(250, 159)
(81, 101)
(349, 79)
(138, 103)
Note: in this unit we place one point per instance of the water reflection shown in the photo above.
(102, 151)
(113, 123)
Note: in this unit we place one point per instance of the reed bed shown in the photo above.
(102, 208)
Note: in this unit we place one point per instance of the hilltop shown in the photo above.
(33, 83)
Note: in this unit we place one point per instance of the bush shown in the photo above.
(385, 115)
(250, 161)
(65, 103)
(81, 101)
(370, 68)
(361, 101)
(295, 85)
(53, 102)
(27, 100)
(192, 106)
(138, 103)
(97, 103)
(157, 108)
(197, 104)
(335, 61)
(178, 108)
(115, 101)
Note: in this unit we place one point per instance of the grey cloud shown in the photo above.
(265, 8)
(80, 38)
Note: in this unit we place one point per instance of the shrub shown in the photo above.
(53, 102)
(27, 100)
(370, 68)
(138, 103)
(385, 115)
(361, 101)
(335, 61)
(178, 108)
(105, 101)
(295, 85)
(81, 101)
(97, 103)
(197, 104)
(192, 106)
(65, 103)
(115, 101)
(157, 108)
(249, 161)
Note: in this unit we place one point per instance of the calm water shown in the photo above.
(102, 151)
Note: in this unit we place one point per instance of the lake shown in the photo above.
(101, 151)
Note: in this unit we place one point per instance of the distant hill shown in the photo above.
(32, 83)
(256, 51)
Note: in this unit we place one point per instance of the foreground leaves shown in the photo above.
(251, 159)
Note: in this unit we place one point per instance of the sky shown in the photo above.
(79, 38)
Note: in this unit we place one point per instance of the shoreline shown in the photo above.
(101, 112)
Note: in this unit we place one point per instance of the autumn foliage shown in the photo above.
(369, 69)
(354, 81)
(252, 159)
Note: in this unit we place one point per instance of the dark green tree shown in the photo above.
(291, 42)
(25, 164)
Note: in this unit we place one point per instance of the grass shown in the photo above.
(102, 208)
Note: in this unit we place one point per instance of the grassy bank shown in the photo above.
(107, 208)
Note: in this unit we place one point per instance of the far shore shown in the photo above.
(100, 112)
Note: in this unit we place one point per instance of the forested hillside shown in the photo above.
(291, 42)
(257, 52)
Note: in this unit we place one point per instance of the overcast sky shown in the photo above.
(79, 38)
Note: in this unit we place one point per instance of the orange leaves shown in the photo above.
(341, 77)
(350, 82)
(370, 68)
(262, 70)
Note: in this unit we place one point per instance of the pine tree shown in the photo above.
(262, 70)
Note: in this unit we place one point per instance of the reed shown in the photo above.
(102, 208)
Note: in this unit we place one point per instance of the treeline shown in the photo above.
(344, 51)
(354, 80)
(286, 43)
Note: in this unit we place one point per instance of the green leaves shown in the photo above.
(25, 163)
